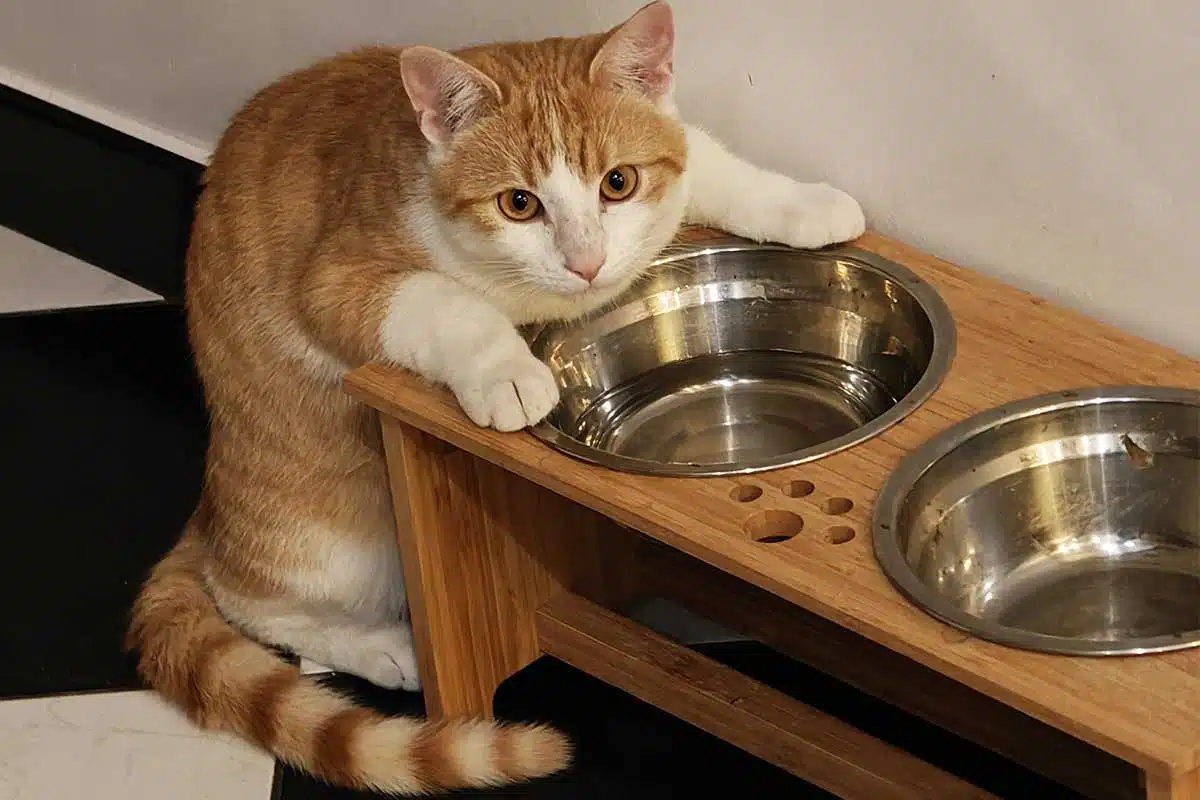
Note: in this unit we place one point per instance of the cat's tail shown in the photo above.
(225, 681)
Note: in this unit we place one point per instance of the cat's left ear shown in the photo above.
(447, 93)
(639, 54)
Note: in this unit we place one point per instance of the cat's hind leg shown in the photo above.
(381, 653)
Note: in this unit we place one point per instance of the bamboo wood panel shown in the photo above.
(478, 565)
(1180, 787)
(1011, 345)
(809, 743)
(881, 673)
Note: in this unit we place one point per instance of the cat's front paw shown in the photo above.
(813, 215)
(509, 389)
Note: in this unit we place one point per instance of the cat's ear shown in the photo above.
(639, 54)
(447, 93)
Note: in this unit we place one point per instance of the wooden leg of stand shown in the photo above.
(1176, 787)
(483, 549)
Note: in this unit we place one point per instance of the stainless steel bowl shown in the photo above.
(735, 357)
(1067, 523)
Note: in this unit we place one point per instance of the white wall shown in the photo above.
(1052, 143)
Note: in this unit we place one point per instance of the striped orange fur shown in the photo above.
(226, 681)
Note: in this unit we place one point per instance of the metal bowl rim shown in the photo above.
(913, 467)
(945, 340)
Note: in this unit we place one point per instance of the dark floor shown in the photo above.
(625, 749)
(101, 449)
(632, 751)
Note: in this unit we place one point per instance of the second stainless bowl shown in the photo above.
(1066, 523)
(736, 357)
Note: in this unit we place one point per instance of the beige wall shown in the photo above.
(1053, 143)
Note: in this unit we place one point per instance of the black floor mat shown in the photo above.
(102, 437)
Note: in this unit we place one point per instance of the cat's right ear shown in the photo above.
(639, 54)
(447, 93)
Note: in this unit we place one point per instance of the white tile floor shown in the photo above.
(120, 746)
(34, 277)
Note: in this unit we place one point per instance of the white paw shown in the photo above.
(506, 388)
(386, 658)
(813, 215)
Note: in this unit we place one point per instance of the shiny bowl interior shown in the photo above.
(1067, 523)
(735, 357)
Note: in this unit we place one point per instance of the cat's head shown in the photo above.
(556, 167)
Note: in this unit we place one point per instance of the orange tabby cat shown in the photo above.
(409, 206)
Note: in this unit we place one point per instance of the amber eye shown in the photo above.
(619, 184)
(519, 205)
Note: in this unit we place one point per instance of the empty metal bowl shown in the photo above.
(1067, 523)
(735, 357)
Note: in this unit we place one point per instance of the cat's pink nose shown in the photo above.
(586, 265)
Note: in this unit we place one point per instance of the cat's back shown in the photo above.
(316, 150)
(350, 103)
(319, 149)
(315, 146)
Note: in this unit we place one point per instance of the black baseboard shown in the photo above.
(100, 195)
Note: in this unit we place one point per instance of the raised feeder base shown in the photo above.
(512, 550)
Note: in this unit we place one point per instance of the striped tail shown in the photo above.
(226, 681)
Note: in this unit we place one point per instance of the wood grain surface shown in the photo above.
(483, 549)
(1177, 787)
(1011, 345)
(884, 674)
(810, 743)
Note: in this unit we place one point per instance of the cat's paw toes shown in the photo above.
(817, 215)
(386, 658)
(514, 393)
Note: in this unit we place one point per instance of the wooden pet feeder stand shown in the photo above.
(512, 550)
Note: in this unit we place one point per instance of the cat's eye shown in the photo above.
(619, 184)
(519, 205)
